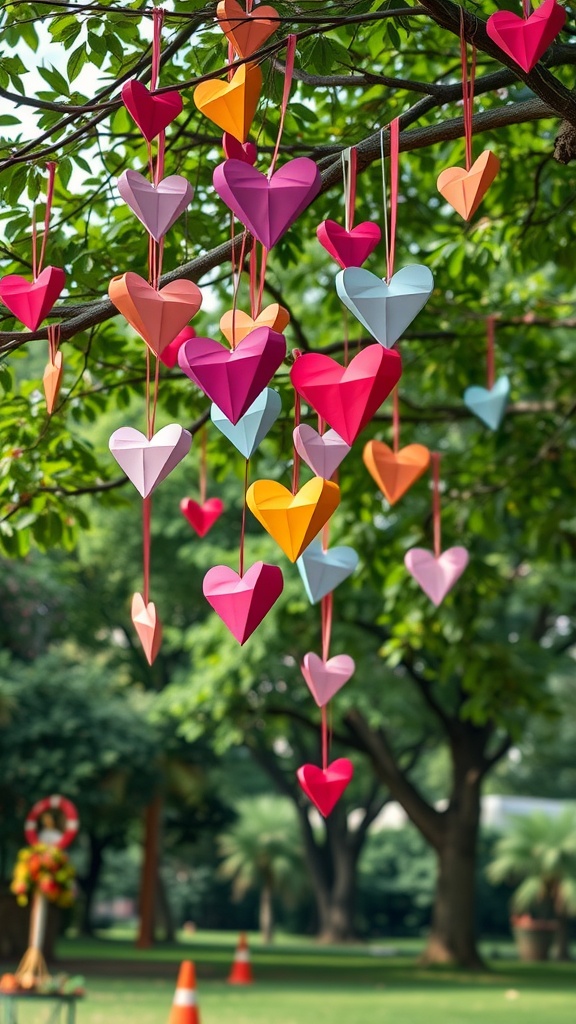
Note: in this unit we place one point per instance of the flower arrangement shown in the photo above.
(46, 870)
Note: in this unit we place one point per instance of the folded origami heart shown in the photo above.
(152, 112)
(436, 576)
(236, 325)
(293, 520)
(148, 626)
(147, 463)
(157, 316)
(169, 355)
(325, 678)
(322, 452)
(243, 601)
(31, 301)
(395, 472)
(322, 571)
(525, 40)
(267, 207)
(52, 380)
(201, 517)
(348, 248)
(324, 787)
(156, 206)
(231, 105)
(489, 404)
(233, 380)
(465, 190)
(347, 397)
(386, 310)
(246, 31)
(253, 426)
(234, 150)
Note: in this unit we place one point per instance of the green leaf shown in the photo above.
(55, 80)
(76, 62)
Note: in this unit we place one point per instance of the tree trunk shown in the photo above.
(164, 915)
(266, 916)
(561, 949)
(149, 874)
(337, 923)
(89, 882)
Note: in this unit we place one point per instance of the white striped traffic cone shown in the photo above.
(241, 973)
(184, 1008)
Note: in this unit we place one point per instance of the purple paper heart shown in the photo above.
(148, 462)
(267, 207)
(156, 206)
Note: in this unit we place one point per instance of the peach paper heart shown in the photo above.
(236, 325)
(52, 380)
(293, 520)
(395, 472)
(465, 190)
(148, 626)
(324, 787)
(157, 316)
(246, 32)
(231, 105)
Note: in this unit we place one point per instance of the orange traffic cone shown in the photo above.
(241, 973)
(184, 1009)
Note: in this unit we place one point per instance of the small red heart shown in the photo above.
(236, 150)
(324, 786)
(152, 112)
(202, 517)
(348, 248)
(169, 355)
(31, 301)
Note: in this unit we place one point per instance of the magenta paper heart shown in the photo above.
(169, 355)
(31, 301)
(235, 150)
(243, 601)
(202, 517)
(322, 452)
(324, 787)
(152, 112)
(349, 248)
(267, 207)
(146, 463)
(325, 678)
(156, 206)
(233, 379)
(525, 40)
(436, 576)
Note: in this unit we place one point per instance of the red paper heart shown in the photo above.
(235, 150)
(243, 601)
(31, 301)
(152, 112)
(202, 517)
(527, 39)
(348, 248)
(324, 786)
(148, 626)
(169, 355)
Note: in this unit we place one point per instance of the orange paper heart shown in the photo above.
(231, 105)
(293, 520)
(52, 380)
(157, 316)
(246, 32)
(235, 324)
(465, 190)
(395, 472)
(148, 626)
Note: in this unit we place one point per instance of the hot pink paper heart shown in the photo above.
(325, 678)
(235, 150)
(152, 112)
(146, 463)
(31, 301)
(526, 40)
(267, 207)
(233, 379)
(202, 517)
(324, 787)
(349, 248)
(156, 206)
(322, 452)
(436, 576)
(243, 601)
(169, 355)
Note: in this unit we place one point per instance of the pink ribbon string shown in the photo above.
(435, 463)
(146, 516)
(290, 54)
(203, 470)
(53, 332)
(468, 80)
(395, 420)
(350, 163)
(527, 8)
(296, 457)
(243, 527)
(490, 337)
(391, 220)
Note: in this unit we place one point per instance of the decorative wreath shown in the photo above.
(44, 809)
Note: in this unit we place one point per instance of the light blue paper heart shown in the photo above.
(322, 571)
(385, 310)
(253, 426)
(489, 405)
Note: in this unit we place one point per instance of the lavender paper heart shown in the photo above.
(146, 463)
(156, 206)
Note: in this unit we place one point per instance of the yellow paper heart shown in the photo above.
(235, 324)
(231, 105)
(293, 520)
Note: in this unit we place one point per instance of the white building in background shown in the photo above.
(496, 811)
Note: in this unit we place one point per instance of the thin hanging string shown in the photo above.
(390, 218)
(146, 516)
(435, 463)
(253, 279)
(53, 332)
(243, 527)
(527, 8)
(468, 79)
(296, 456)
(203, 472)
(326, 614)
(346, 328)
(490, 336)
(395, 420)
(51, 168)
(324, 728)
(262, 279)
(351, 188)
(290, 54)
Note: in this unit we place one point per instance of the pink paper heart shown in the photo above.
(233, 379)
(324, 787)
(525, 40)
(31, 301)
(202, 517)
(349, 248)
(146, 463)
(243, 601)
(325, 678)
(235, 150)
(267, 207)
(152, 112)
(436, 576)
(169, 355)
(156, 206)
(322, 452)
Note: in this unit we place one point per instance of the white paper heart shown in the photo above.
(322, 452)
(253, 426)
(322, 571)
(146, 463)
(489, 404)
(386, 310)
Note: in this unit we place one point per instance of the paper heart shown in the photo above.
(395, 472)
(246, 31)
(386, 310)
(242, 602)
(526, 40)
(465, 190)
(293, 520)
(324, 787)
(322, 571)
(52, 380)
(252, 427)
(157, 316)
(169, 355)
(233, 379)
(322, 452)
(146, 463)
(202, 517)
(231, 105)
(31, 301)
(234, 150)
(148, 626)
(347, 397)
(436, 576)
(267, 207)
(156, 206)
(489, 404)
(152, 112)
(325, 678)
(236, 325)
(349, 248)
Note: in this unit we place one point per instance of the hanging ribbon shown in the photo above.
(468, 79)
(37, 264)
(203, 461)
(349, 175)
(390, 217)
(288, 74)
(327, 605)
(527, 8)
(395, 421)
(295, 455)
(435, 463)
(490, 336)
(243, 527)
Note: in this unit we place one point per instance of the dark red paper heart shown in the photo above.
(349, 248)
(324, 787)
(202, 517)
(169, 355)
(235, 150)
(151, 112)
